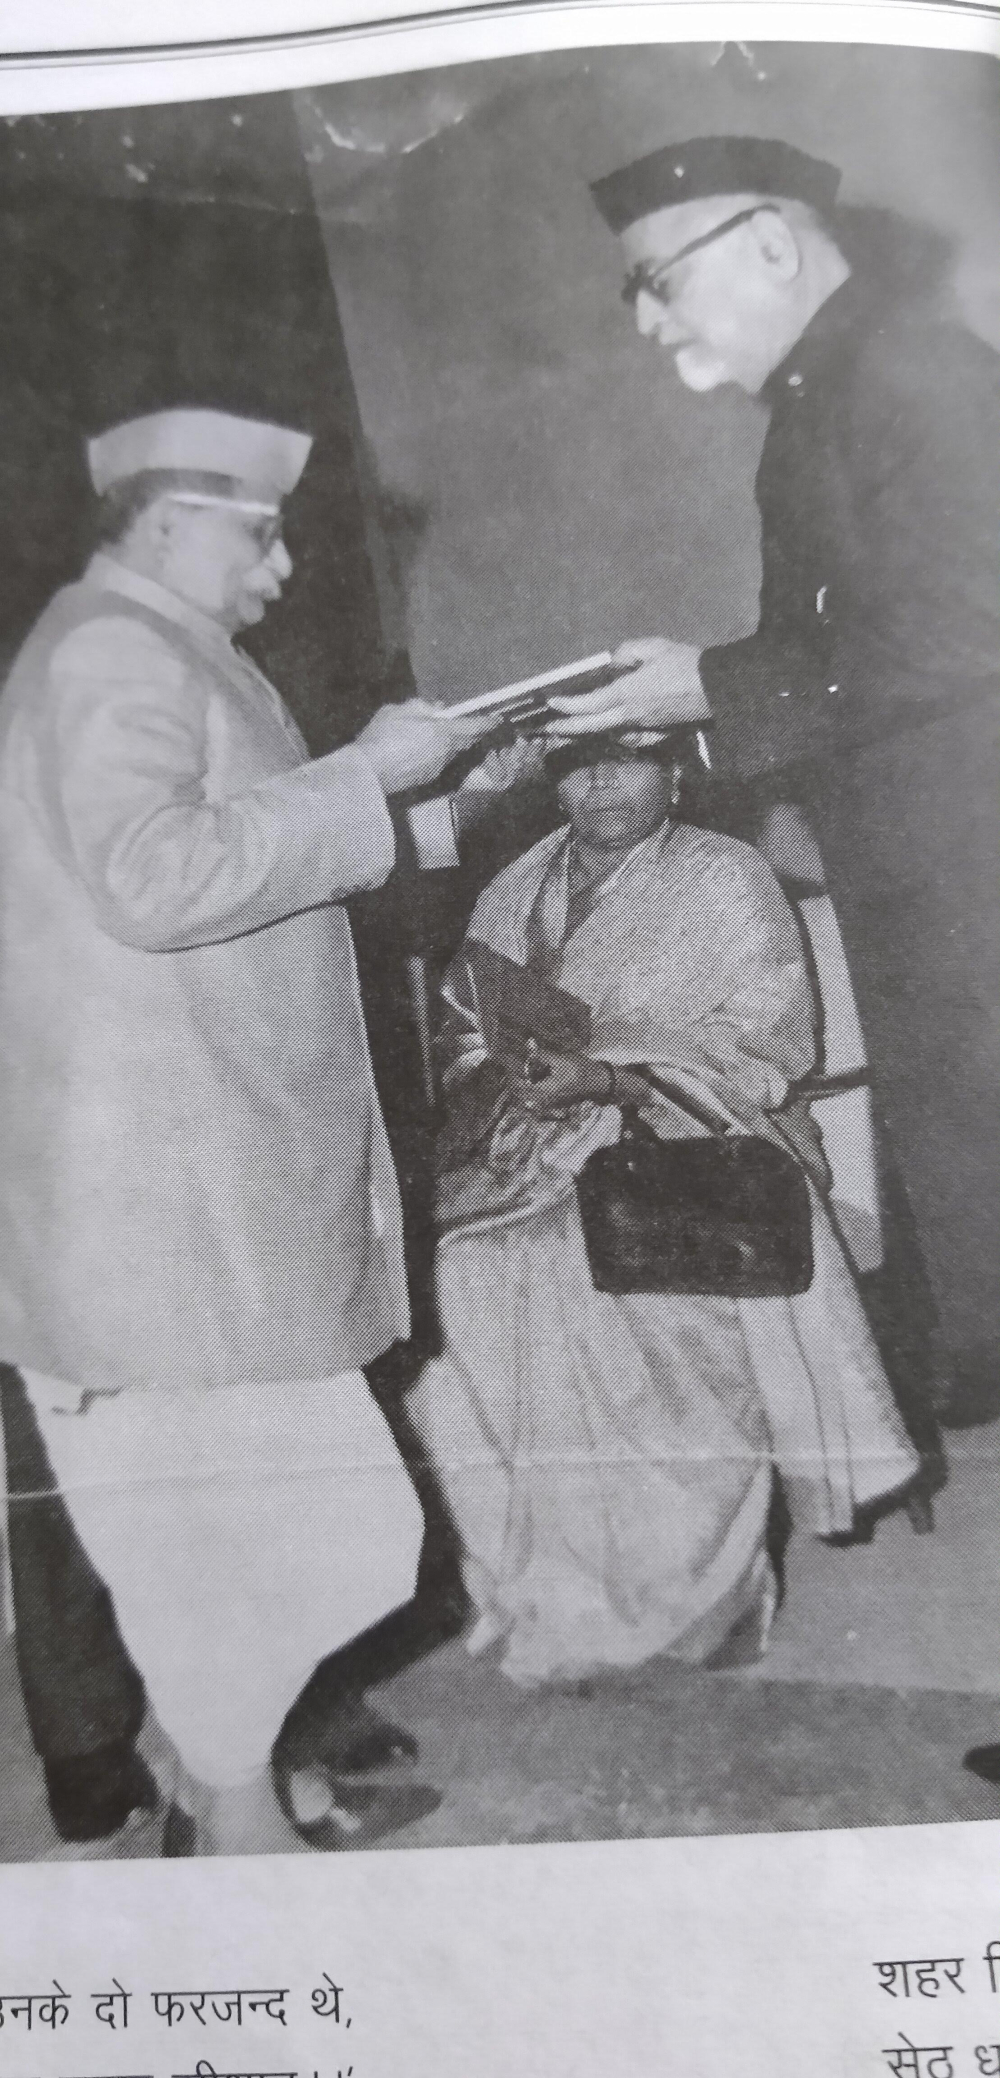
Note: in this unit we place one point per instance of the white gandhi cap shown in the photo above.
(266, 460)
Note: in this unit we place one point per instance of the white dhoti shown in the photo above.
(244, 1532)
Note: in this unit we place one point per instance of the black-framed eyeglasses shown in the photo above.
(650, 278)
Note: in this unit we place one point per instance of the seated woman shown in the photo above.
(608, 1460)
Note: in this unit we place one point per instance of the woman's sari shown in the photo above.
(608, 1460)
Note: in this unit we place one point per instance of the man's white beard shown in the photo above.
(700, 369)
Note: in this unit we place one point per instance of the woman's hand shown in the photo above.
(551, 1082)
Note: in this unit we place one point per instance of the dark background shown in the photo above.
(562, 490)
(152, 257)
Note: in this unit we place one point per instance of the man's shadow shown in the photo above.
(437, 1613)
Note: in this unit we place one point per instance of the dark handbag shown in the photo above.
(724, 1217)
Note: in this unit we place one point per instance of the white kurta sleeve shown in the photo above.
(123, 762)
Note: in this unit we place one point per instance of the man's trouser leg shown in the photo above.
(83, 1698)
(915, 850)
(244, 1531)
(904, 1319)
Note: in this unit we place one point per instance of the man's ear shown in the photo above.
(777, 244)
(152, 530)
(160, 521)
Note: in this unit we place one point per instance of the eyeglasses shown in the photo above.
(262, 521)
(650, 278)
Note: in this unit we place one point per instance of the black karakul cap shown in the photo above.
(713, 166)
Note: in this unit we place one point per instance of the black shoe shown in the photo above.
(920, 1510)
(93, 1795)
(354, 1740)
(984, 1761)
(363, 1813)
(371, 1741)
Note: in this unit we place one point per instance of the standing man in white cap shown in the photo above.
(200, 1240)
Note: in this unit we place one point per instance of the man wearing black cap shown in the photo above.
(868, 691)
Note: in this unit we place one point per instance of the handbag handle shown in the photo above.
(719, 1128)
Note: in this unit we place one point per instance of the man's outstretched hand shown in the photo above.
(410, 744)
(663, 691)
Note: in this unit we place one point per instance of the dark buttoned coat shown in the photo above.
(870, 693)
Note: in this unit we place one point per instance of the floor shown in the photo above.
(884, 1667)
(904, 1612)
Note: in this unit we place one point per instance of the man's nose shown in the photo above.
(279, 560)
